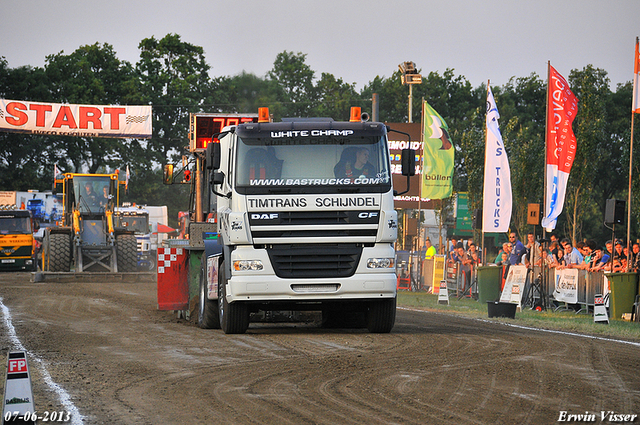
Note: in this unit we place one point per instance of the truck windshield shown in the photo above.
(92, 193)
(310, 164)
(15, 225)
(135, 223)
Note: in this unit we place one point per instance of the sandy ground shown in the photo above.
(119, 360)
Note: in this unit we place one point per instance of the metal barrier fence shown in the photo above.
(463, 284)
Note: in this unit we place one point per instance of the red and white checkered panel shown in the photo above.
(166, 256)
(173, 279)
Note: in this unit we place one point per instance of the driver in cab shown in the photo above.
(104, 199)
(354, 163)
(89, 194)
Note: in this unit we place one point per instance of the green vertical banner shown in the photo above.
(463, 215)
(438, 151)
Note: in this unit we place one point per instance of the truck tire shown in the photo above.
(58, 257)
(234, 317)
(381, 315)
(127, 253)
(152, 262)
(208, 315)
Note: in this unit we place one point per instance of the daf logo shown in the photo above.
(264, 216)
(365, 215)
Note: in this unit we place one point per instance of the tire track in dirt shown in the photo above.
(125, 362)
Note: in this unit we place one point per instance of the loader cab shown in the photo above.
(89, 194)
(94, 194)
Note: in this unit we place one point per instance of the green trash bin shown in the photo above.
(624, 287)
(488, 283)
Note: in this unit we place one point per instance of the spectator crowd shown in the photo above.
(554, 253)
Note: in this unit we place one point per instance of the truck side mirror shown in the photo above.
(213, 156)
(408, 162)
(217, 177)
(167, 174)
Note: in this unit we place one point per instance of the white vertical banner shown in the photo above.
(497, 201)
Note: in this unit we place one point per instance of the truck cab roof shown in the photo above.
(356, 129)
(15, 213)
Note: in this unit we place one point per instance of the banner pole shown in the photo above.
(484, 185)
(421, 152)
(545, 245)
(629, 195)
(633, 114)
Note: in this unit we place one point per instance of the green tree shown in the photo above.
(335, 98)
(295, 81)
(26, 161)
(462, 107)
(243, 93)
(90, 75)
(392, 97)
(591, 86)
(618, 107)
(521, 103)
(173, 77)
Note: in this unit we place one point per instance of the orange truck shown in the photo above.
(17, 250)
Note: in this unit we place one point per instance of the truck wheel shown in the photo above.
(381, 315)
(152, 262)
(234, 317)
(58, 255)
(127, 253)
(208, 317)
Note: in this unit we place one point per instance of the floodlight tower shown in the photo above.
(410, 77)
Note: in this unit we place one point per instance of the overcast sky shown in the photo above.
(353, 40)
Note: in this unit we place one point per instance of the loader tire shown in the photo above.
(58, 255)
(127, 253)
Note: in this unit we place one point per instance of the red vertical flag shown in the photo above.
(636, 80)
(562, 108)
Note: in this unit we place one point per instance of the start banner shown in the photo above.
(75, 120)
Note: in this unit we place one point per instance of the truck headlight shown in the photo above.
(245, 265)
(380, 263)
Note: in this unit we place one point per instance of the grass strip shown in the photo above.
(560, 320)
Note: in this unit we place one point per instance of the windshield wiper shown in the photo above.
(349, 189)
(279, 190)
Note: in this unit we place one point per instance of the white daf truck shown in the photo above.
(305, 222)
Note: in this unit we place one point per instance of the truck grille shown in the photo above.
(273, 234)
(314, 217)
(361, 226)
(314, 261)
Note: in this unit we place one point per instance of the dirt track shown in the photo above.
(124, 362)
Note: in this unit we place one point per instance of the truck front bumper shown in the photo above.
(264, 286)
(20, 263)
